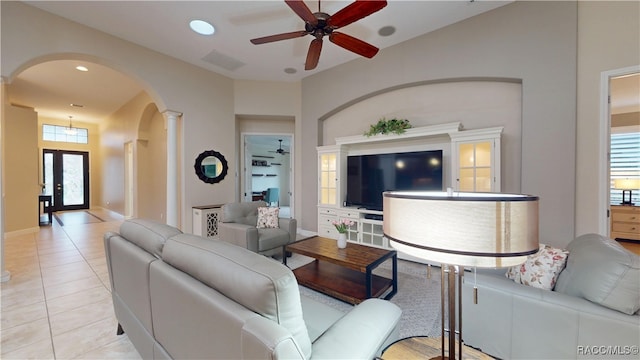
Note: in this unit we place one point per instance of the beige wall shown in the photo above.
(263, 99)
(20, 160)
(609, 39)
(475, 104)
(534, 42)
(205, 99)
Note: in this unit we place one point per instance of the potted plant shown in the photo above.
(342, 225)
(391, 126)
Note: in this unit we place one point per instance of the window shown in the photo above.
(65, 134)
(625, 163)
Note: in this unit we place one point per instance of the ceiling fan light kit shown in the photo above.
(320, 24)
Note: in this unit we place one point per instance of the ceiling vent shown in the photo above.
(224, 61)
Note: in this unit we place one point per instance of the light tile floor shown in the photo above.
(57, 304)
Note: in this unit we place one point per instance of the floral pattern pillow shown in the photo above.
(541, 269)
(268, 217)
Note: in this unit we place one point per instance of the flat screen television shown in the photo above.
(370, 175)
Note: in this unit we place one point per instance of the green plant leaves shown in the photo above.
(391, 126)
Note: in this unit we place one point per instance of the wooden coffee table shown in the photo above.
(345, 274)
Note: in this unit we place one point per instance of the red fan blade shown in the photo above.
(278, 37)
(352, 44)
(354, 12)
(313, 55)
(300, 8)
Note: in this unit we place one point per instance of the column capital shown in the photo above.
(171, 114)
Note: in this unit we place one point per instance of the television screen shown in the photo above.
(370, 175)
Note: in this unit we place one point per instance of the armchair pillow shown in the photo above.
(541, 269)
(268, 218)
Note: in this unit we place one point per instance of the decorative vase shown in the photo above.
(342, 240)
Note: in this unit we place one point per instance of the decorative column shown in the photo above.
(4, 274)
(172, 166)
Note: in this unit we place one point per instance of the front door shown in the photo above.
(66, 177)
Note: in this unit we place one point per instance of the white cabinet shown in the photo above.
(206, 219)
(364, 231)
(475, 160)
(474, 163)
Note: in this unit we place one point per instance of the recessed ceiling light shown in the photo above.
(202, 27)
(386, 31)
(81, 68)
(290, 70)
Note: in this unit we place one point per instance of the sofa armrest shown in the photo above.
(265, 339)
(290, 225)
(362, 333)
(508, 315)
(242, 235)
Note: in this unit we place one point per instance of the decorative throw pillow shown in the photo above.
(541, 269)
(268, 217)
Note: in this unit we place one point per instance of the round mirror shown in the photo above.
(211, 167)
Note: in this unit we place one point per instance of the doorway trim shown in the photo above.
(605, 139)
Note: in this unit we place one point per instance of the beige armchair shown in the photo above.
(238, 227)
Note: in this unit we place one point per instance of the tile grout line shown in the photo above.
(92, 270)
(44, 292)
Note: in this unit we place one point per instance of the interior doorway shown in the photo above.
(620, 114)
(268, 169)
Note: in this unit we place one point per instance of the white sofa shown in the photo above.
(591, 313)
(180, 296)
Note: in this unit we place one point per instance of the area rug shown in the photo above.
(417, 296)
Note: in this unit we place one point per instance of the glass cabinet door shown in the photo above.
(474, 172)
(328, 179)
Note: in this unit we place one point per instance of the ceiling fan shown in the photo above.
(320, 24)
(280, 150)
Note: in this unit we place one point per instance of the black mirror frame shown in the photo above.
(198, 166)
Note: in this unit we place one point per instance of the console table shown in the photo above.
(45, 207)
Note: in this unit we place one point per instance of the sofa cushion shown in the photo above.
(268, 217)
(541, 269)
(148, 234)
(602, 271)
(254, 281)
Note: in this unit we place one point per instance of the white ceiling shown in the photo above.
(163, 26)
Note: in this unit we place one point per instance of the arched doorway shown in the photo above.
(78, 91)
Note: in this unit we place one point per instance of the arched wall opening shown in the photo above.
(107, 146)
(474, 102)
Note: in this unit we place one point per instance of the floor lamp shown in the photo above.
(458, 230)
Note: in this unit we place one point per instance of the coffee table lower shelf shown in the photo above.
(340, 282)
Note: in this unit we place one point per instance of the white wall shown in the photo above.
(531, 41)
(609, 39)
(475, 104)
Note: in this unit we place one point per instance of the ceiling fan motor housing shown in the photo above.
(321, 28)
